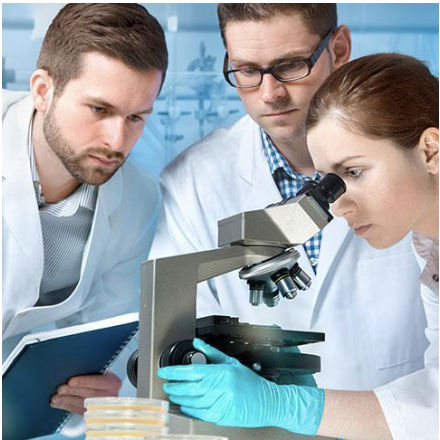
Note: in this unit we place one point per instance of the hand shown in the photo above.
(229, 394)
(70, 396)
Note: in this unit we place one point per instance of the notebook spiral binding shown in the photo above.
(116, 354)
(110, 362)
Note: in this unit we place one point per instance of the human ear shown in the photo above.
(41, 85)
(428, 144)
(340, 46)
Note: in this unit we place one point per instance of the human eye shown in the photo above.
(354, 173)
(135, 118)
(290, 68)
(98, 109)
(248, 71)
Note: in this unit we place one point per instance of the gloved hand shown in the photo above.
(229, 394)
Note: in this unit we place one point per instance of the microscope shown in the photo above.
(261, 244)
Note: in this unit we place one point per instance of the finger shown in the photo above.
(65, 390)
(185, 388)
(107, 381)
(68, 403)
(214, 355)
(186, 372)
(200, 402)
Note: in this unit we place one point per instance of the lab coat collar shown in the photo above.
(249, 160)
(16, 120)
(110, 194)
(18, 189)
(254, 170)
(109, 198)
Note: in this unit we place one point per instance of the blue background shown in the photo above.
(194, 103)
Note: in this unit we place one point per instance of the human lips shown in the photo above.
(102, 160)
(360, 230)
(279, 114)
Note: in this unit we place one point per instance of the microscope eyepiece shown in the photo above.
(327, 191)
(331, 187)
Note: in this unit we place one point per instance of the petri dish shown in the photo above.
(125, 403)
(123, 417)
(112, 434)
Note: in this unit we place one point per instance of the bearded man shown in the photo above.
(78, 214)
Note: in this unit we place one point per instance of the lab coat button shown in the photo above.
(435, 277)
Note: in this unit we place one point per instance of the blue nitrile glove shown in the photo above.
(229, 394)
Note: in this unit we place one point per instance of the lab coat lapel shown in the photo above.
(254, 172)
(109, 198)
(20, 208)
(335, 234)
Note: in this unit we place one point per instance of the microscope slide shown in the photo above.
(43, 361)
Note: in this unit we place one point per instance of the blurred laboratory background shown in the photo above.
(195, 99)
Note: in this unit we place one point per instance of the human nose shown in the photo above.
(344, 206)
(271, 89)
(115, 134)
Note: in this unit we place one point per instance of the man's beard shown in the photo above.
(76, 163)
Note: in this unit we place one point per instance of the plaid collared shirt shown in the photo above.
(289, 183)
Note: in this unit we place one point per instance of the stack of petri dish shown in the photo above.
(127, 418)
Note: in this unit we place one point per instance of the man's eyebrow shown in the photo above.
(103, 103)
(293, 55)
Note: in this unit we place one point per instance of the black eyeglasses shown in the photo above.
(286, 71)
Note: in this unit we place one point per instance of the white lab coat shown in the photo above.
(366, 301)
(120, 238)
(411, 403)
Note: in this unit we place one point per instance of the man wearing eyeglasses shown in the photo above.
(277, 56)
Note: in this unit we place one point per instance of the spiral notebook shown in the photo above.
(42, 361)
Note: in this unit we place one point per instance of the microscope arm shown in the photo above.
(168, 301)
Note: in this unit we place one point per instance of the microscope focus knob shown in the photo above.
(194, 357)
(181, 353)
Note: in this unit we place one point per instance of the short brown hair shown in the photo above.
(320, 18)
(124, 31)
(383, 96)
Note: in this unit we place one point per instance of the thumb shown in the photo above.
(214, 355)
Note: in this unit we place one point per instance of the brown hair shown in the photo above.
(320, 18)
(124, 31)
(383, 96)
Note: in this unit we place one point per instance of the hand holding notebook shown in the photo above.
(70, 396)
(42, 362)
